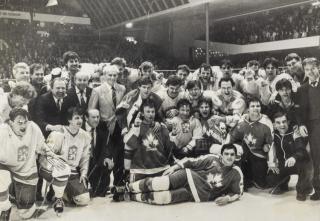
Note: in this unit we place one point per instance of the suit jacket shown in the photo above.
(47, 112)
(101, 150)
(302, 101)
(72, 99)
(101, 99)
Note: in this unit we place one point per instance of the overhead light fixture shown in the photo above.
(316, 3)
(52, 3)
(129, 25)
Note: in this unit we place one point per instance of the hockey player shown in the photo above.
(186, 130)
(255, 133)
(73, 145)
(21, 141)
(201, 179)
(148, 152)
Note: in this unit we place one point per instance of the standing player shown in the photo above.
(201, 179)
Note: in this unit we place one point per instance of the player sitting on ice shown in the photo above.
(202, 179)
(21, 142)
(73, 145)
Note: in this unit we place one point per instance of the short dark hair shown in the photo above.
(119, 61)
(74, 111)
(173, 80)
(205, 100)
(183, 67)
(192, 84)
(292, 56)
(283, 83)
(35, 66)
(274, 62)
(149, 102)
(226, 79)
(69, 55)
(253, 100)
(253, 62)
(229, 146)
(18, 111)
(205, 66)
(183, 102)
(146, 65)
(145, 80)
(226, 62)
(278, 114)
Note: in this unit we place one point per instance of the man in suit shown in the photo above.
(101, 162)
(308, 116)
(106, 97)
(79, 94)
(51, 109)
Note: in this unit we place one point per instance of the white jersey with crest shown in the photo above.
(19, 154)
(73, 147)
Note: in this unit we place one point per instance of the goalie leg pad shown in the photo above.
(161, 198)
(160, 183)
(82, 199)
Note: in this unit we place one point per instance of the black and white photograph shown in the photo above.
(153, 110)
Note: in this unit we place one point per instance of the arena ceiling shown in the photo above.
(112, 14)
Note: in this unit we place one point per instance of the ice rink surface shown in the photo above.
(255, 205)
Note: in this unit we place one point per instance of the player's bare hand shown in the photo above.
(274, 170)
(290, 162)
(109, 163)
(303, 131)
(83, 180)
(222, 200)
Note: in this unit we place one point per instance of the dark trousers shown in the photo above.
(304, 171)
(314, 139)
(99, 179)
(254, 169)
(116, 145)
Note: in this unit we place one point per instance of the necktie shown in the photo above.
(82, 101)
(92, 142)
(59, 102)
(114, 98)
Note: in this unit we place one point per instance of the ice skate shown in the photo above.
(58, 206)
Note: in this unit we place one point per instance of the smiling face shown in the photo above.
(93, 118)
(311, 71)
(173, 90)
(19, 125)
(145, 90)
(59, 89)
(228, 157)
(184, 112)
(37, 76)
(22, 74)
(281, 124)
(76, 121)
(149, 114)
(73, 64)
(204, 110)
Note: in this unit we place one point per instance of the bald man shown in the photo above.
(105, 98)
(100, 164)
(79, 94)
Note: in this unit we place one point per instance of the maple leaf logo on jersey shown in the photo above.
(150, 142)
(214, 180)
(250, 141)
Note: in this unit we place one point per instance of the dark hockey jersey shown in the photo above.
(149, 152)
(208, 178)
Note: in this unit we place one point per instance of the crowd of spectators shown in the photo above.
(294, 22)
(45, 42)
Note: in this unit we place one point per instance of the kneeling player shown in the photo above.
(73, 145)
(201, 179)
(21, 141)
